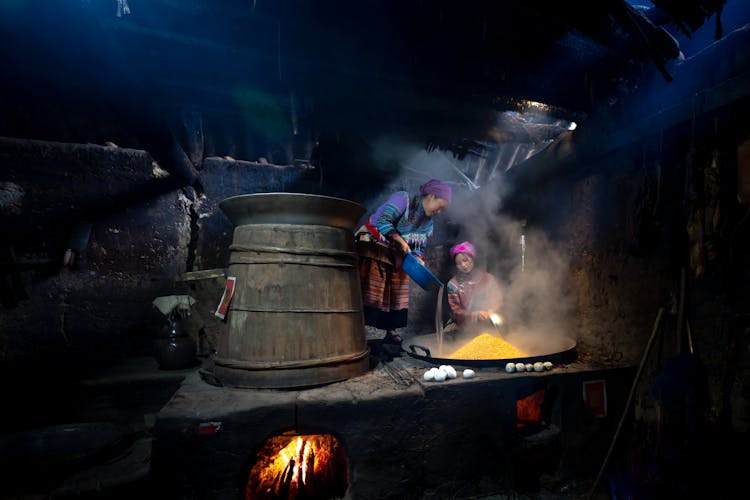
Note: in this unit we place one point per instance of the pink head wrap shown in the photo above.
(465, 247)
(438, 188)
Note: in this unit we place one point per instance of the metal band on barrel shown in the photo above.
(259, 365)
(272, 310)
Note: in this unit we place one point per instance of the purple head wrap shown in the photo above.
(438, 188)
(465, 247)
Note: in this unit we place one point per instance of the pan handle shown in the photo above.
(414, 347)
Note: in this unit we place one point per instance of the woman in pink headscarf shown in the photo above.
(473, 295)
(399, 226)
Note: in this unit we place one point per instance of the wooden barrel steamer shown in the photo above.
(296, 317)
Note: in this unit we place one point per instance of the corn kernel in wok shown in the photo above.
(486, 346)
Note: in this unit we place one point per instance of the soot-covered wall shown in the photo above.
(658, 240)
(133, 235)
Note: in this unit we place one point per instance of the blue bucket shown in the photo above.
(420, 274)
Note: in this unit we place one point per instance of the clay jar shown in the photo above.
(175, 348)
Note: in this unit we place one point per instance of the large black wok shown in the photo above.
(540, 346)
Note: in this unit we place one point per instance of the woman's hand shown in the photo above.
(402, 244)
(483, 315)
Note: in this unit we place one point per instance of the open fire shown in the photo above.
(298, 467)
(529, 409)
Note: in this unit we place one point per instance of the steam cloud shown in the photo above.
(535, 301)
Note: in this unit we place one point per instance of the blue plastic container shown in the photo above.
(420, 274)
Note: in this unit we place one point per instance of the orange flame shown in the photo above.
(297, 466)
(529, 409)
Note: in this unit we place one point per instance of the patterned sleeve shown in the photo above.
(458, 312)
(388, 214)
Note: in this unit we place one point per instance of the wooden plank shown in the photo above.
(204, 274)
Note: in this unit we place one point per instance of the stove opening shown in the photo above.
(299, 466)
(536, 410)
(529, 409)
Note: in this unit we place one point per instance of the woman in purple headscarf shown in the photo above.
(399, 226)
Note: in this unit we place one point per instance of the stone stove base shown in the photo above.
(404, 437)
